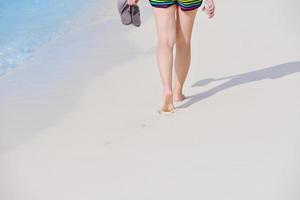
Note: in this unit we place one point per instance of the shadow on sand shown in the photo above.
(272, 72)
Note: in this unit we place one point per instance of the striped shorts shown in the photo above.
(185, 5)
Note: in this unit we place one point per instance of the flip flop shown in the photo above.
(125, 12)
(135, 15)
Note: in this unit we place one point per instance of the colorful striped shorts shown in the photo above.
(185, 5)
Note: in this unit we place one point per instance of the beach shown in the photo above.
(79, 119)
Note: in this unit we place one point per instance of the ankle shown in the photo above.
(167, 92)
(177, 89)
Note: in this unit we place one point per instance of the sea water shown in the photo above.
(25, 25)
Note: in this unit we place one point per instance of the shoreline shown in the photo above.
(59, 72)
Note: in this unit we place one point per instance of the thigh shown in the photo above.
(165, 23)
(184, 24)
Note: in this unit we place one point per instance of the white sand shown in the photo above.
(77, 123)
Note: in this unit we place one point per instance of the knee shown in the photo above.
(167, 42)
(183, 43)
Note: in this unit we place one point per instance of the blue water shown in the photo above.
(25, 25)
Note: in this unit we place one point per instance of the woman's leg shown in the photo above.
(184, 27)
(166, 35)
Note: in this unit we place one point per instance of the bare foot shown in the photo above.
(178, 97)
(168, 106)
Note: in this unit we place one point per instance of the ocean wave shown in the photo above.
(27, 24)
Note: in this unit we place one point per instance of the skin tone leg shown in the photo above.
(175, 26)
(184, 26)
(166, 35)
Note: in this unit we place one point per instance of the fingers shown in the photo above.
(210, 13)
(209, 4)
(209, 7)
(132, 2)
